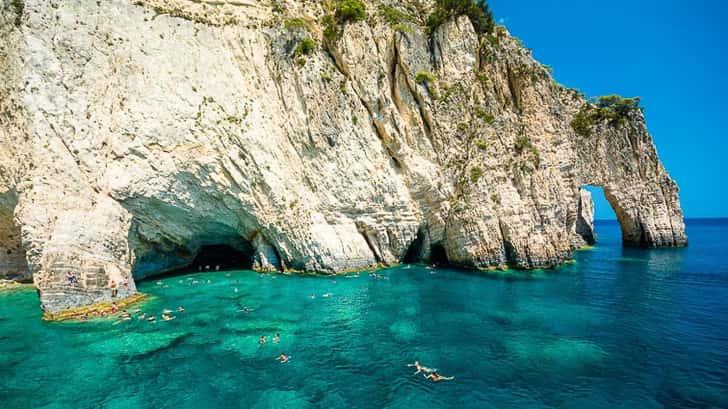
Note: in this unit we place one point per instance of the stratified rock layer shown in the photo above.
(132, 133)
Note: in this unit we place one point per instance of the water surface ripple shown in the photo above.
(618, 328)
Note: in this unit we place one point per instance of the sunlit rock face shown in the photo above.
(133, 133)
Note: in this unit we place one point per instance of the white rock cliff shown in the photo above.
(133, 133)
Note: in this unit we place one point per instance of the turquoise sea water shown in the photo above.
(618, 328)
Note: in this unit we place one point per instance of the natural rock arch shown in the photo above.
(623, 161)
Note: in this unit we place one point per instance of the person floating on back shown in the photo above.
(421, 368)
(436, 377)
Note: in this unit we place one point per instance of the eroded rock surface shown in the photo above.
(132, 133)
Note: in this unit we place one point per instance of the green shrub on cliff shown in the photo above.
(424, 78)
(305, 47)
(344, 11)
(611, 108)
(350, 11)
(582, 123)
(477, 11)
(293, 23)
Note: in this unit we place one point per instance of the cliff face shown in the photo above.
(132, 133)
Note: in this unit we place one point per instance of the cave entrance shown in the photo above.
(212, 247)
(438, 255)
(223, 257)
(13, 264)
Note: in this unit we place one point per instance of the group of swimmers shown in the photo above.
(166, 315)
(276, 339)
(429, 373)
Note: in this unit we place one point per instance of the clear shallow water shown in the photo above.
(618, 328)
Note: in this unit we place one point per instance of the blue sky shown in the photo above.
(674, 54)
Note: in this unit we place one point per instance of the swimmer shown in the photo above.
(436, 377)
(166, 311)
(180, 308)
(244, 309)
(235, 289)
(141, 317)
(262, 340)
(312, 296)
(159, 283)
(277, 338)
(421, 368)
(136, 310)
(151, 319)
(327, 295)
(283, 358)
(167, 317)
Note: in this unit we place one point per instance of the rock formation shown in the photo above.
(133, 133)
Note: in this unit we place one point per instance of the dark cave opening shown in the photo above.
(438, 255)
(209, 257)
(415, 250)
(222, 257)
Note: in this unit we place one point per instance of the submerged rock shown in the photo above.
(133, 133)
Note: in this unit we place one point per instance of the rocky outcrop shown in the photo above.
(133, 133)
(584, 226)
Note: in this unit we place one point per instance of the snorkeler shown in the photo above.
(436, 377)
(421, 368)
(283, 358)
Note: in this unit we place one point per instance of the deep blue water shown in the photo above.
(618, 328)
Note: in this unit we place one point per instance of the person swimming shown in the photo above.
(141, 317)
(277, 338)
(436, 377)
(262, 340)
(152, 319)
(167, 317)
(421, 368)
(180, 308)
(283, 358)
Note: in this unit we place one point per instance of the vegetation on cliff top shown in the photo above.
(477, 11)
(344, 11)
(611, 108)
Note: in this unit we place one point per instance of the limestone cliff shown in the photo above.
(132, 133)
